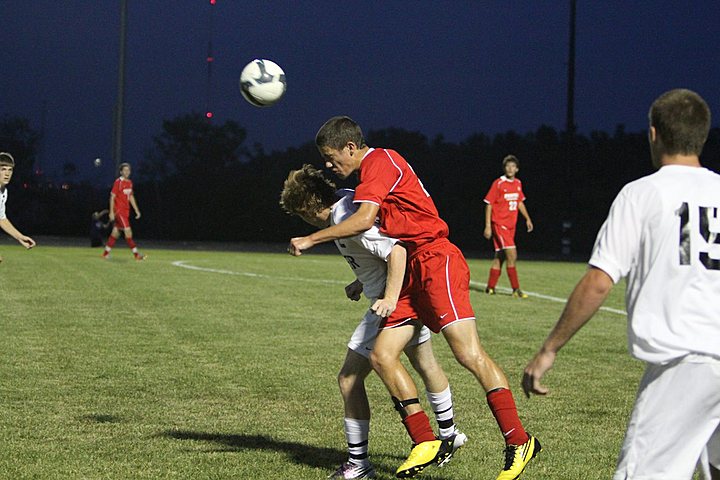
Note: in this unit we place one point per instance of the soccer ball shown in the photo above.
(262, 82)
(97, 162)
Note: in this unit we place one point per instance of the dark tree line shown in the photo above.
(200, 181)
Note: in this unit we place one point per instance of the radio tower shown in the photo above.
(210, 59)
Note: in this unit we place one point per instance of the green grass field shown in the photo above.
(147, 370)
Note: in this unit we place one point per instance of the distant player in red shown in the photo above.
(121, 198)
(504, 200)
(436, 291)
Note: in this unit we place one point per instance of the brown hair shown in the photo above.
(511, 158)
(682, 121)
(7, 159)
(337, 132)
(307, 191)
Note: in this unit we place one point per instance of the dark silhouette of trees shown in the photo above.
(23, 142)
(200, 181)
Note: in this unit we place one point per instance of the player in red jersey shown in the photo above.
(504, 200)
(436, 290)
(121, 198)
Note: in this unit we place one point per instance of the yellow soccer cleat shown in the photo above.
(517, 293)
(517, 457)
(422, 455)
(490, 291)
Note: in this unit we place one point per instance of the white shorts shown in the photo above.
(363, 338)
(676, 412)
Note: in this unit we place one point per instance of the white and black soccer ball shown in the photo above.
(262, 82)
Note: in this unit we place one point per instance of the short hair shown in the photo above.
(123, 165)
(682, 121)
(6, 159)
(337, 132)
(511, 158)
(307, 191)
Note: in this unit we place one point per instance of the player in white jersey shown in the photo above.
(378, 262)
(7, 165)
(663, 235)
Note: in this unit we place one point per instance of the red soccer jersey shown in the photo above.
(504, 196)
(123, 190)
(406, 210)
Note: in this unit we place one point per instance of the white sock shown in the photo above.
(442, 405)
(356, 434)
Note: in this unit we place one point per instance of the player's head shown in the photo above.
(338, 141)
(124, 170)
(308, 194)
(7, 165)
(6, 160)
(679, 124)
(511, 165)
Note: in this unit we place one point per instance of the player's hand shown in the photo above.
(529, 226)
(298, 244)
(111, 217)
(534, 372)
(383, 307)
(354, 290)
(26, 242)
(137, 215)
(487, 233)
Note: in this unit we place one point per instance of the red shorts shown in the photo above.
(503, 237)
(122, 221)
(436, 289)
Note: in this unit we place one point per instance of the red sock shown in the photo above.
(512, 275)
(130, 242)
(502, 405)
(493, 278)
(418, 427)
(110, 242)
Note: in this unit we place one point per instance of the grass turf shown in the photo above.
(224, 367)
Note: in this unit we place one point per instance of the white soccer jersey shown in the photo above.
(663, 234)
(367, 252)
(3, 200)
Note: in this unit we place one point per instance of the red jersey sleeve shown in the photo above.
(116, 188)
(492, 194)
(378, 177)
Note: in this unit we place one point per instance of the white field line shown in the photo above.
(184, 264)
(480, 286)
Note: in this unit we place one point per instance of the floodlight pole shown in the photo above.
(119, 106)
(567, 222)
(570, 119)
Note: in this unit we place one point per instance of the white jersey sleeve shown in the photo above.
(367, 252)
(3, 200)
(618, 241)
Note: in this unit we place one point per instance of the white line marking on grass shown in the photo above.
(184, 264)
(481, 286)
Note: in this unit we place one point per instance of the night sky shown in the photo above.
(439, 67)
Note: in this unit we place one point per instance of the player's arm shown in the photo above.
(588, 295)
(524, 212)
(111, 215)
(10, 229)
(396, 264)
(134, 205)
(355, 224)
(487, 233)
